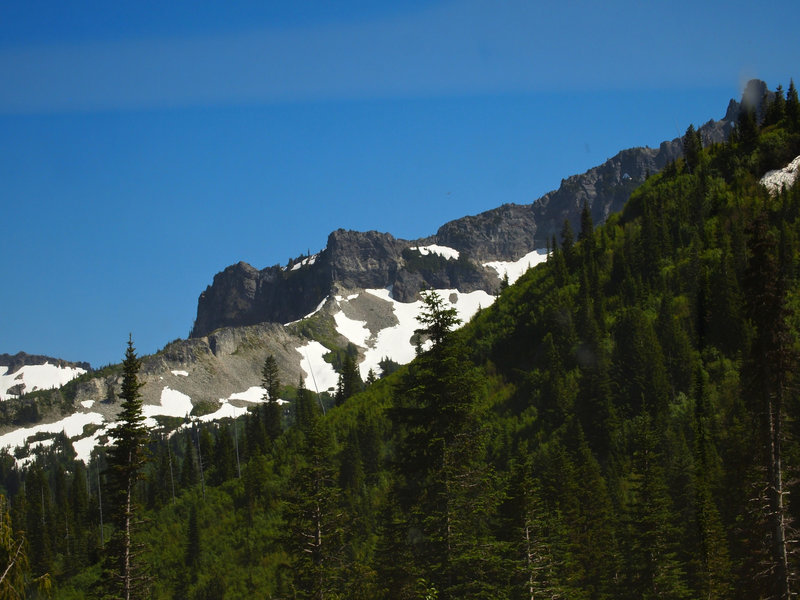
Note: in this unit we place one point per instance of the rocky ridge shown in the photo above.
(243, 295)
(15, 361)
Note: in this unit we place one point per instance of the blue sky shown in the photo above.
(145, 146)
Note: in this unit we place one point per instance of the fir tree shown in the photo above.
(692, 147)
(126, 460)
(270, 381)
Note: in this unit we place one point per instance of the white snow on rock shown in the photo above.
(84, 446)
(252, 394)
(72, 426)
(395, 342)
(87, 403)
(443, 251)
(225, 411)
(173, 404)
(355, 331)
(306, 261)
(779, 178)
(36, 377)
(180, 373)
(311, 314)
(515, 269)
(320, 375)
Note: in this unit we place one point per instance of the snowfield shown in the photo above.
(36, 377)
(515, 269)
(72, 426)
(320, 375)
(395, 342)
(173, 404)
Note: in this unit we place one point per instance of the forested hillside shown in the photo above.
(621, 423)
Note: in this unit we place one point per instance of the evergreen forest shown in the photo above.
(622, 423)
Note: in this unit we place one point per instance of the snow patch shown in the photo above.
(84, 446)
(225, 411)
(775, 180)
(311, 314)
(37, 377)
(306, 261)
(173, 404)
(72, 426)
(355, 331)
(395, 342)
(320, 375)
(443, 251)
(515, 269)
(87, 403)
(180, 373)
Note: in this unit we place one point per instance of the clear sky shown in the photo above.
(146, 145)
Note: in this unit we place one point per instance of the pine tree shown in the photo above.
(442, 487)
(692, 147)
(315, 521)
(792, 107)
(126, 460)
(769, 369)
(270, 381)
(436, 319)
(349, 380)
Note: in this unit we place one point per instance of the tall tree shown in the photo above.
(349, 380)
(792, 107)
(271, 382)
(769, 370)
(442, 486)
(692, 147)
(126, 460)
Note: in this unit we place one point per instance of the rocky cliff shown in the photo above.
(242, 295)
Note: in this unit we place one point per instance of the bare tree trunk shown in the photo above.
(776, 503)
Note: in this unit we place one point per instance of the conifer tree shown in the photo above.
(692, 147)
(442, 487)
(349, 380)
(769, 369)
(792, 107)
(270, 381)
(315, 522)
(126, 460)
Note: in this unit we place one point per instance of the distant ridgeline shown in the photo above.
(20, 359)
(243, 295)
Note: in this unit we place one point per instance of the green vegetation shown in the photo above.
(621, 423)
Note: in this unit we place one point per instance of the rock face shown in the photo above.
(242, 295)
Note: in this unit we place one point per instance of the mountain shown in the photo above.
(358, 297)
(621, 422)
(243, 295)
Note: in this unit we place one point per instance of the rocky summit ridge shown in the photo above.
(242, 295)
